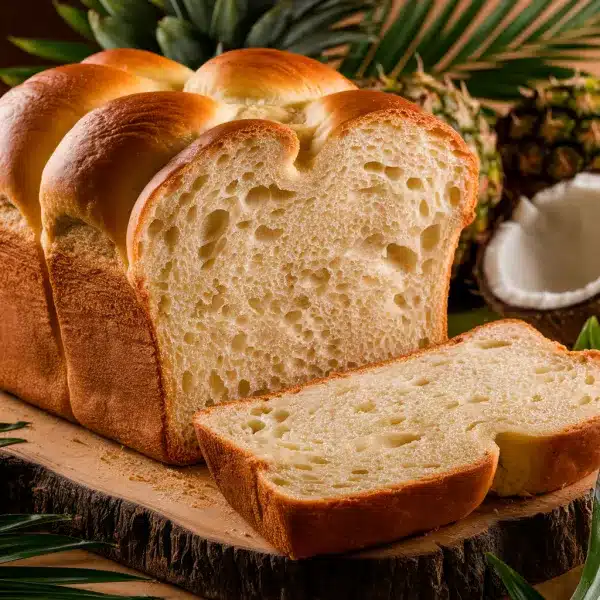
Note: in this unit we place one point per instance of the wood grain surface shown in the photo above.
(173, 524)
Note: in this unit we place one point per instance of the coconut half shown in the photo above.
(544, 264)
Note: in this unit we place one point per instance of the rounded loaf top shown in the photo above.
(266, 76)
(171, 74)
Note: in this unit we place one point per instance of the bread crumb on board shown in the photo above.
(172, 483)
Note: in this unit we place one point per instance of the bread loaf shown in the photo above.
(34, 117)
(266, 226)
(393, 449)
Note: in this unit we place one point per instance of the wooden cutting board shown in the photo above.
(173, 524)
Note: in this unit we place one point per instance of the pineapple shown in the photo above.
(553, 134)
(465, 115)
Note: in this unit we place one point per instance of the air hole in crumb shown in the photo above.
(478, 399)
(590, 379)
(265, 234)
(155, 227)
(215, 224)
(489, 344)
(303, 467)
(191, 214)
(424, 342)
(189, 337)
(280, 430)
(243, 224)
(368, 406)
(360, 472)
(452, 405)
(424, 208)
(279, 195)
(279, 212)
(394, 173)
(585, 400)
(216, 384)
(414, 183)
(222, 159)
(430, 237)
(396, 440)
(255, 425)
(256, 304)
(401, 257)
(171, 237)
(421, 381)
(374, 167)
(199, 182)
(536, 398)
(243, 388)
(341, 485)
(428, 266)
(232, 186)
(262, 409)
(400, 300)
(239, 342)
(454, 196)
(280, 481)
(318, 460)
(164, 304)
(187, 382)
(293, 316)
(474, 424)
(280, 415)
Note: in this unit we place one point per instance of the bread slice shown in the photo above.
(309, 228)
(408, 445)
(316, 238)
(34, 117)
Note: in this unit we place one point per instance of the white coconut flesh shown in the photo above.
(548, 255)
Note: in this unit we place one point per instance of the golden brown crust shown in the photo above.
(270, 76)
(304, 528)
(114, 377)
(31, 362)
(98, 171)
(170, 74)
(39, 113)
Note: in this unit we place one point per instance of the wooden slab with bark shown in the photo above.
(174, 525)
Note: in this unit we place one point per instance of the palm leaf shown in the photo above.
(64, 575)
(10, 441)
(589, 338)
(64, 52)
(11, 523)
(12, 426)
(491, 55)
(516, 586)
(15, 75)
(75, 18)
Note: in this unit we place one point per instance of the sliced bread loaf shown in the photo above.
(408, 445)
(310, 228)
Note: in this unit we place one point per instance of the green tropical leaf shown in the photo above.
(20, 546)
(12, 76)
(10, 523)
(64, 575)
(314, 44)
(589, 337)
(95, 5)
(319, 20)
(394, 45)
(589, 584)
(491, 56)
(141, 13)
(75, 18)
(10, 441)
(56, 50)
(111, 32)
(270, 26)
(12, 426)
(26, 590)
(224, 21)
(516, 586)
(199, 12)
(179, 41)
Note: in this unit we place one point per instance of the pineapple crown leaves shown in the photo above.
(193, 31)
(495, 46)
(17, 542)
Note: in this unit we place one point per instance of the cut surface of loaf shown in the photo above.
(270, 254)
(268, 225)
(409, 445)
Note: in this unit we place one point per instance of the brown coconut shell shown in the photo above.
(560, 324)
